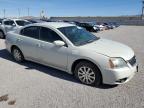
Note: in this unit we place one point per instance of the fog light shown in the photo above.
(121, 80)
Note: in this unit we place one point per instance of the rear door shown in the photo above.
(29, 42)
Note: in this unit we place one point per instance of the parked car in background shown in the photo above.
(89, 26)
(7, 25)
(46, 20)
(114, 24)
(70, 48)
(101, 26)
(65, 21)
(35, 20)
(94, 24)
(108, 25)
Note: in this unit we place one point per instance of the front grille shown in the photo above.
(132, 61)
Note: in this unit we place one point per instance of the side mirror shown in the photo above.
(13, 25)
(59, 43)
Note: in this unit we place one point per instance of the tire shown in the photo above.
(17, 55)
(2, 36)
(88, 73)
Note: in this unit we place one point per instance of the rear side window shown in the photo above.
(48, 35)
(32, 32)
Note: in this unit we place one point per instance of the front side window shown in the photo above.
(11, 23)
(32, 32)
(49, 35)
(22, 23)
(77, 35)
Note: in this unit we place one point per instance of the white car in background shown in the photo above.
(7, 25)
(67, 47)
(101, 27)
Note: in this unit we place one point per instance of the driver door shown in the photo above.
(50, 53)
(9, 25)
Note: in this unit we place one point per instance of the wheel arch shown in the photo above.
(2, 31)
(15, 46)
(85, 60)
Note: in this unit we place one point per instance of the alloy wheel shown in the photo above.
(86, 75)
(17, 55)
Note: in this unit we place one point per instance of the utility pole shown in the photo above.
(142, 16)
(4, 11)
(28, 11)
(19, 12)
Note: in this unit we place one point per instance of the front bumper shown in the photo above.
(119, 76)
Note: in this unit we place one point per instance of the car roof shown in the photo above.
(54, 24)
(14, 19)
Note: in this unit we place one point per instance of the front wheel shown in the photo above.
(17, 55)
(88, 73)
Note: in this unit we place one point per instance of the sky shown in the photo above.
(70, 7)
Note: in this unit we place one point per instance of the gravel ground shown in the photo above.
(30, 85)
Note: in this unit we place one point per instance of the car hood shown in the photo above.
(109, 48)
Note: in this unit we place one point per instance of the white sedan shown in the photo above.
(7, 25)
(67, 47)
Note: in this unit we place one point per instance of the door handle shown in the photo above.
(38, 45)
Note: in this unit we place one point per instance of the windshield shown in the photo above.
(22, 23)
(77, 35)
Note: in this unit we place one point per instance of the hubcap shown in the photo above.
(17, 55)
(86, 75)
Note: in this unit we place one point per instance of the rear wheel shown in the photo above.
(2, 36)
(17, 54)
(88, 73)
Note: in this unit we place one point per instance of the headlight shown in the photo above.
(117, 63)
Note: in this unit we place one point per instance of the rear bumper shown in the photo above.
(119, 76)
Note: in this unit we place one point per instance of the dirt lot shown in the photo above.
(31, 85)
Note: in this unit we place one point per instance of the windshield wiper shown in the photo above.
(85, 42)
(88, 41)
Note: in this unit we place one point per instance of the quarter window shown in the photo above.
(49, 35)
(32, 32)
